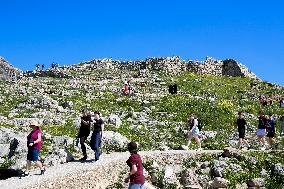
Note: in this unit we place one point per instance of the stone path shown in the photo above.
(98, 174)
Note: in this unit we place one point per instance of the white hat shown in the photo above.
(34, 123)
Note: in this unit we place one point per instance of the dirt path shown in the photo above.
(91, 174)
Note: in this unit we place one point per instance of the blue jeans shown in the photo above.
(136, 186)
(96, 143)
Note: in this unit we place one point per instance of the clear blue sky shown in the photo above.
(68, 31)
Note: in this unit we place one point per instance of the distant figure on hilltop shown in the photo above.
(42, 67)
(37, 67)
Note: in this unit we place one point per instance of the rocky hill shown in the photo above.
(150, 115)
(7, 71)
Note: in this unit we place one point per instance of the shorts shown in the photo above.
(270, 135)
(261, 132)
(33, 155)
(242, 133)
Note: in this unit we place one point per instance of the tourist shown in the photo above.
(261, 131)
(282, 125)
(271, 130)
(34, 144)
(135, 178)
(194, 132)
(125, 89)
(42, 67)
(84, 132)
(241, 123)
(97, 135)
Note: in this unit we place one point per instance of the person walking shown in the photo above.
(135, 177)
(34, 144)
(84, 132)
(241, 124)
(193, 133)
(97, 135)
(261, 131)
(282, 125)
(271, 130)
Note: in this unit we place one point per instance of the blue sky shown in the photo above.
(68, 31)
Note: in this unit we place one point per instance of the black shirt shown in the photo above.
(262, 123)
(98, 125)
(241, 123)
(87, 126)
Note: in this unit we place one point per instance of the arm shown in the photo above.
(103, 126)
(132, 172)
(38, 140)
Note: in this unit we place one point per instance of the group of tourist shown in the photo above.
(266, 130)
(272, 100)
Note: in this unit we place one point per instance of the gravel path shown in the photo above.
(92, 174)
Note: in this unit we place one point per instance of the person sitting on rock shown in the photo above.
(193, 133)
(241, 124)
(97, 135)
(34, 144)
(135, 177)
(84, 132)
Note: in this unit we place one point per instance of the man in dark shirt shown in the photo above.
(271, 130)
(136, 178)
(84, 132)
(97, 135)
(241, 123)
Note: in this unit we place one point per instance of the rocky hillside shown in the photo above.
(150, 115)
(7, 71)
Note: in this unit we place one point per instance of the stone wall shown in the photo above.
(7, 71)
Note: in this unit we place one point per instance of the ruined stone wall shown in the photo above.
(7, 71)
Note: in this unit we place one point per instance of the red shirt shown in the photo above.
(34, 136)
(138, 177)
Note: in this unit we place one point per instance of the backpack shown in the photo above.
(200, 126)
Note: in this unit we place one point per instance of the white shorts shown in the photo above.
(261, 132)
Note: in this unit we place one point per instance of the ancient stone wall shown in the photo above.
(7, 71)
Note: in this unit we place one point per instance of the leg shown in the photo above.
(189, 137)
(83, 147)
(97, 145)
(29, 164)
(198, 141)
(240, 142)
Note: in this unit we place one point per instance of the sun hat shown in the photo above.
(34, 123)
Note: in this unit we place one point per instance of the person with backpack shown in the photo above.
(241, 124)
(271, 130)
(261, 131)
(194, 132)
(34, 144)
(84, 132)
(97, 135)
(135, 177)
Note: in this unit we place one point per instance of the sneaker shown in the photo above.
(184, 147)
(199, 149)
(42, 171)
(262, 148)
